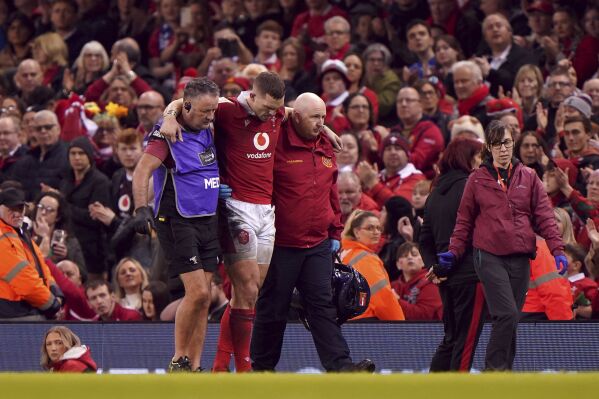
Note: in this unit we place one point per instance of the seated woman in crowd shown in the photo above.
(51, 52)
(350, 155)
(292, 56)
(447, 52)
(419, 298)
(154, 298)
(531, 149)
(19, 31)
(52, 229)
(355, 75)
(434, 104)
(564, 226)
(361, 235)
(130, 279)
(527, 92)
(62, 352)
(91, 64)
(359, 113)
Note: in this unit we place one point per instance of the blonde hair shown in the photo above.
(568, 235)
(423, 186)
(355, 220)
(119, 291)
(526, 69)
(55, 48)
(69, 339)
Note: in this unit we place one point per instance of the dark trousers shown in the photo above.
(505, 283)
(464, 312)
(310, 271)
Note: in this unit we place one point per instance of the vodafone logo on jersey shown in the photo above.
(261, 141)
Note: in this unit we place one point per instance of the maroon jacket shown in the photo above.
(505, 223)
(305, 195)
(419, 298)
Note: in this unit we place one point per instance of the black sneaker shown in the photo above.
(199, 370)
(180, 365)
(366, 366)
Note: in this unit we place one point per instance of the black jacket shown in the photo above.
(505, 75)
(440, 213)
(31, 171)
(7, 164)
(93, 187)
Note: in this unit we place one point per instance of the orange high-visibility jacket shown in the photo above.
(383, 303)
(23, 288)
(548, 292)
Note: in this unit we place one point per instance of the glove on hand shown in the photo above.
(224, 191)
(143, 221)
(335, 246)
(561, 263)
(446, 263)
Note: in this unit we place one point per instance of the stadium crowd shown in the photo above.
(83, 84)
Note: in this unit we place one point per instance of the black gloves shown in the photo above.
(143, 221)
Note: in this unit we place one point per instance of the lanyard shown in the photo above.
(500, 180)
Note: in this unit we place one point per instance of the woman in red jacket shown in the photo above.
(503, 204)
(62, 352)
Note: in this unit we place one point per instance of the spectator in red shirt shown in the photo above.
(419, 298)
(584, 290)
(337, 36)
(268, 42)
(351, 196)
(149, 110)
(334, 84)
(102, 300)
(397, 178)
(426, 140)
(309, 25)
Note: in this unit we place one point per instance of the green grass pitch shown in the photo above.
(295, 386)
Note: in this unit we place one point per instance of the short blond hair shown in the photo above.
(54, 46)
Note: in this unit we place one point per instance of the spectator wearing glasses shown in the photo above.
(503, 205)
(149, 111)
(531, 149)
(52, 213)
(434, 105)
(11, 149)
(337, 39)
(559, 87)
(361, 236)
(90, 65)
(426, 140)
(43, 166)
(27, 290)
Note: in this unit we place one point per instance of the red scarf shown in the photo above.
(464, 106)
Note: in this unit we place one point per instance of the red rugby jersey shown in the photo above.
(245, 148)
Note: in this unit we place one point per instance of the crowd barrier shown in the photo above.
(395, 347)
